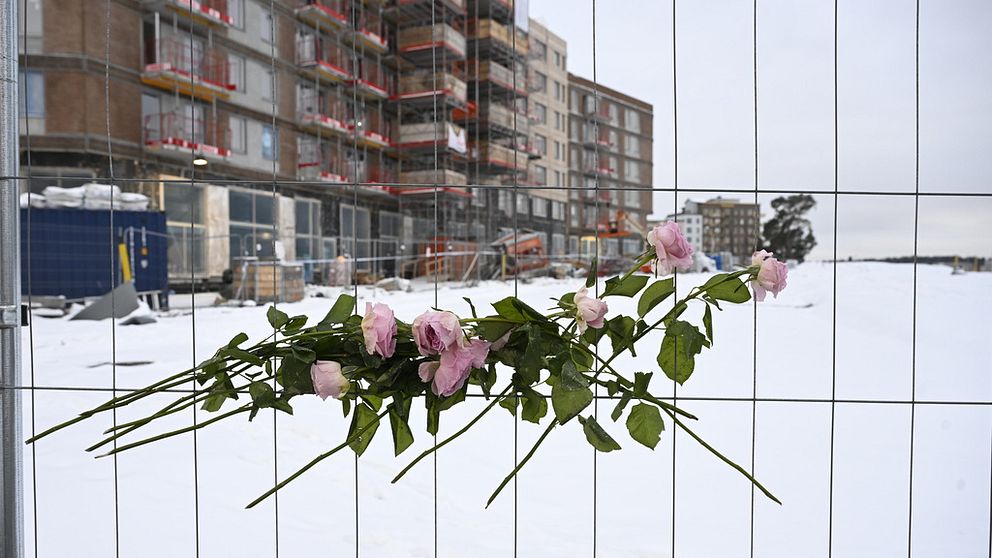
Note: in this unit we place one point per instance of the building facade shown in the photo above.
(691, 225)
(729, 226)
(373, 129)
(610, 169)
(548, 101)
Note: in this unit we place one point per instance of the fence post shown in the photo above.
(11, 439)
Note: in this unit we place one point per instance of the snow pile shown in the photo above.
(317, 514)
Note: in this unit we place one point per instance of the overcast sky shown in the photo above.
(876, 103)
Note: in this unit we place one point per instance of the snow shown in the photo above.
(165, 490)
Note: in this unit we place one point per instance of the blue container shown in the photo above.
(74, 253)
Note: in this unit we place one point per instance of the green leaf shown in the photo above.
(708, 323)
(654, 295)
(535, 406)
(214, 402)
(295, 324)
(510, 403)
(241, 355)
(277, 318)
(681, 344)
(570, 394)
(645, 425)
(237, 340)
(402, 436)
(364, 417)
(593, 273)
(723, 286)
(641, 382)
(621, 332)
(596, 436)
(343, 309)
(533, 360)
(492, 330)
(618, 410)
(629, 287)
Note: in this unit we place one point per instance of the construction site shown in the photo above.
(337, 141)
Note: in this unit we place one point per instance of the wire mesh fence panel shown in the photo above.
(191, 164)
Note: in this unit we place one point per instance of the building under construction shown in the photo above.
(382, 131)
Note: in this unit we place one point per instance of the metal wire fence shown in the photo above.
(749, 408)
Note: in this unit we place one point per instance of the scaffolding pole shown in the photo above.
(11, 496)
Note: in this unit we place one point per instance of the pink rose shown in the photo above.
(379, 329)
(435, 332)
(328, 381)
(770, 276)
(673, 251)
(589, 310)
(449, 375)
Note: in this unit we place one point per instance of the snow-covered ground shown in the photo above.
(166, 493)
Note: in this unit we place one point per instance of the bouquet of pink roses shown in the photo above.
(377, 365)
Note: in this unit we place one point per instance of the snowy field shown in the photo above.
(165, 496)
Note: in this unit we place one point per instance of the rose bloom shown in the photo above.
(589, 311)
(770, 277)
(435, 332)
(673, 251)
(328, 381)
(379, 329)
(449, 375)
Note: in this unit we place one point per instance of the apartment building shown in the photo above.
(729, 227)
(548, 175)
(362, 100)
(691, 225)
(610, 169)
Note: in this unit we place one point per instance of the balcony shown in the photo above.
(319, 161)
(321, 114)
(323, 14)
(371, 81)
(370, 31)
(601, 140)
(496, 80)
(597, 114)
(321, 59)
(213, 13)
(176, 133)
(201, 72)
(422, 86)
(495, 158)
(373, 132)
(424, 45)
(600, 170)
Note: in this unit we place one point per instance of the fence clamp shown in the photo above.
(10, 316)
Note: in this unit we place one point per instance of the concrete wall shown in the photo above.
(286, 219)
(217, 214)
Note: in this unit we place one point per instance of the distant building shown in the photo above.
(691, 225)
(728, 225)
(610, 146)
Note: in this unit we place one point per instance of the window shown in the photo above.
(540, 82)
(558, 211)
(558, 151)
(540, 48)
(29, 39)
(632, 171)
(573, 102)
(559, 91)
(557, 244)
(633, 120)
(267, 29)
(237, 68)
(523, 204)
(542, 113)
(541, 143)
(251, 214)
(632, 198)
(237, 125)
(540, 207)
(558, 59)
(632, 146)
(307, 230)
(236, 9)
(31, 95)
(557, 179)
(270, 143)
(573, 211)
(559, 125)
(271, 90)
(541, 175)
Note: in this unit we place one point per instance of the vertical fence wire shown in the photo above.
(192, 297)
(916, 244)
(276, 155)
(675, 209)
(595, 408)
(354, 235)
(833, 320)
(754, 301)
(437, 122)
(30, 297)
(113, 272)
